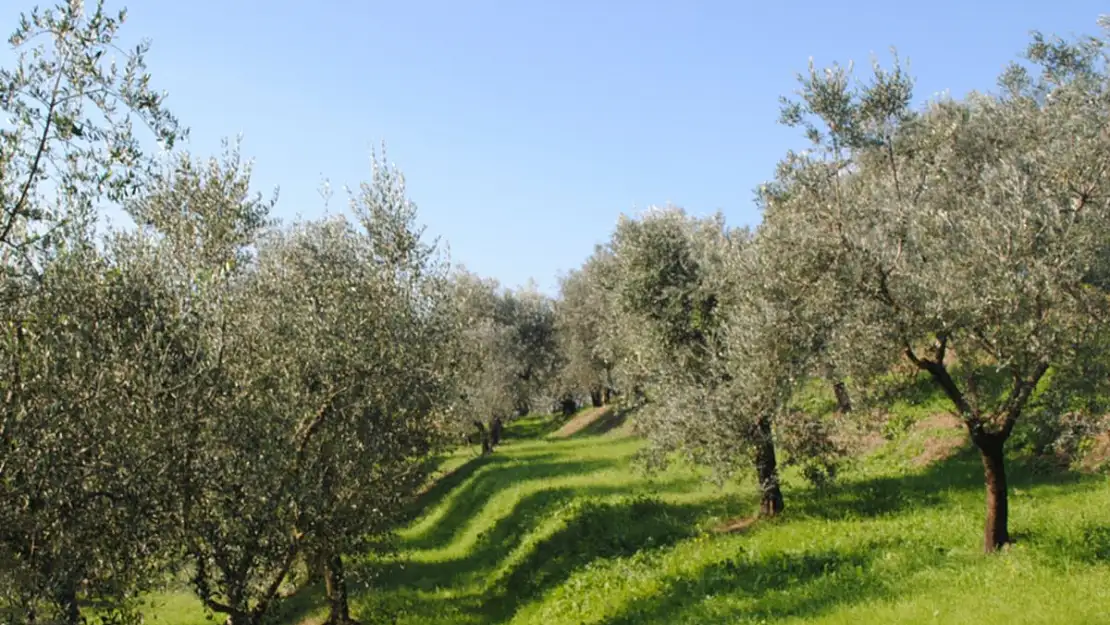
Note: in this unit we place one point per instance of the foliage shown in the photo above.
(90, 338)
(87, 500)
(219, 397)
(72, 109)
(586, 315)
(976, 224)
(667, 308)
(509, 354)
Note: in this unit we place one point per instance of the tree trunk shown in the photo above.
(996, 532)
(495, 429)
(242, 619)
(569, 406)
(67, 600)
(335, 581)
(596, 398)
(606, 396)
(843, 399)
(771, 502)
(316, 567)
(483, 436)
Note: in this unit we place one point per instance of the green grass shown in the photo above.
(570, 532)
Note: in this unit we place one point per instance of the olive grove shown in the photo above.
(968, 237)
(208, 394)
(975, 225)
(509, 358)
(215, 397)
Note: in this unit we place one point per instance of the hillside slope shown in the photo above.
(558, 531)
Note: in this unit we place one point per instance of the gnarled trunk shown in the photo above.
(996, 532)
(771, 502)
(596, 399)
(483, 437)
(991, 445)
(495, 430)
(316, 565)
(67, 600)
(335, 582)
(843, 399)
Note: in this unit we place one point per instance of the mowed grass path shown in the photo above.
(569, 532)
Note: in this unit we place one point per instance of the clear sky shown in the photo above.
(525, 127)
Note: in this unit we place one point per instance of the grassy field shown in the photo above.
(559, 530)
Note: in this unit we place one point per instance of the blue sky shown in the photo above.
(526, 127)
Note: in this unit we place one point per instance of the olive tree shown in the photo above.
(534, 352)
(89, 337)
(372, 289)
(236, 412)
(583, 319)
(973, 225)
(509, 356)
(712, 353)
(72, 101)
(88, 511)
(486, 397)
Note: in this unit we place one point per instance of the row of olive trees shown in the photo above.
(510, 355)
(211, 394)
(979, 224)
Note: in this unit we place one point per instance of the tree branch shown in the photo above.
(13, 214)
(944, 380)
(1019, 396)
(275, 584)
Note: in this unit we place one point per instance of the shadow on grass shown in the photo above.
(505, 536)
(1088, 543)
(610, 420)
(534, 427)
(934, 485)
(778, 586)
(297, 607)
(594, 530)
(467, 499)
(415, 606)
(443, 485)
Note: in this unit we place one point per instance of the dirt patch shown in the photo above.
(736, 526)
(859, 442)
(939, 447)
(940, 421)
(581, 421)
(314, 620)
(857, 435)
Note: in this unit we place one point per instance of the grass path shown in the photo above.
(566, 531)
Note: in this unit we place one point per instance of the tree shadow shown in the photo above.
(415, 606)
(444, 484)
(597, 530)
(298, 606)
(499, 541)
(1087, 544)
(931, 486)
(815, 582)
(607, 422)
(533, 427)
(467, 499)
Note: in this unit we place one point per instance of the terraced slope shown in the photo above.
(558, 531)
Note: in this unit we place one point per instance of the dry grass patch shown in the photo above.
(581, 421)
